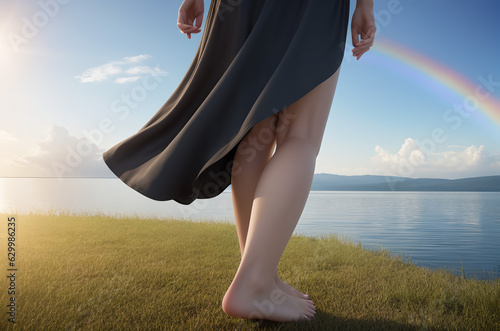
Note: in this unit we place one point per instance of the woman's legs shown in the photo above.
(251, 157)
(280, 196)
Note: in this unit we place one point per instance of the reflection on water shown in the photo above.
(433, 229)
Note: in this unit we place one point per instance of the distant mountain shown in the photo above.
(329, 182)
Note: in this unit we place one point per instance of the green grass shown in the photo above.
(97, 272)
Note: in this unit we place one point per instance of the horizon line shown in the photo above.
(319, 173)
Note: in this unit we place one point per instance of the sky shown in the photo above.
(77, 77)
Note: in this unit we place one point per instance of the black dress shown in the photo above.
(255, 58)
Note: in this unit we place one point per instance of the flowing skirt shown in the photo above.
(255, 58)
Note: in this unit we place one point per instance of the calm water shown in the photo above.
(433, 229)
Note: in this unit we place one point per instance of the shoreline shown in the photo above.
(93, 271)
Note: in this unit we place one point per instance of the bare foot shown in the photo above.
(289, 289)
(253, 301)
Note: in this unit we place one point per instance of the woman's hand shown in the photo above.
(190, 11)
(363, 23)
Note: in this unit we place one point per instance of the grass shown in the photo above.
(98, 272)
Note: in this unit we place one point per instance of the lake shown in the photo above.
(432, 229)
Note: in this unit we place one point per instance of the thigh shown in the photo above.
(306, 118)
(258, 144)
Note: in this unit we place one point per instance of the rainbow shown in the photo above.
(448, 78)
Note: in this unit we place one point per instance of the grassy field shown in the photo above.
(96, 272)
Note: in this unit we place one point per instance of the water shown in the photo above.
(432, 229)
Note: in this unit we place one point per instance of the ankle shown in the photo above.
(257, 284)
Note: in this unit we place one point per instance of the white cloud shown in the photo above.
(125, 66)
(137, 58)
(409, 156)
(100, 73)
(470, 157)
(413, 161)
(137, 70)
(145, 70)
(61, 154)
(123, 80)
(6, 136)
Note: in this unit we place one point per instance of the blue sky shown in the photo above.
(68, 67)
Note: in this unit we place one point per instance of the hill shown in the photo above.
(330, 182)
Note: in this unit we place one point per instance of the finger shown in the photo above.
(189, 22)
(190, 32)
(355, 39)
(182, 21)
(364, 46)
(182, 16)
(355, 36)
(186, 31)
(187, 28)
(369, 36)
(357, 55)
(358, 51)
(365, 42)
(199, 20)
(361, 51)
